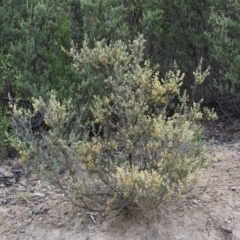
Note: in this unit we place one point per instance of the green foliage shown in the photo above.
(31, 58)
(174, 30)
(33, 32)
(177, 30)
(33, 36)
(140, 158)
(6, 77)
(42, 35)
(100, 23)
(4, 125)
(76, 23)
(225, 49)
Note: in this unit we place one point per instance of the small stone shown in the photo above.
(13, 202)
(227, 221)
(195, 201)
(10, 210)
(3, 201)
(60, 225)
(233, 188)
(3, 210)
(38, 194)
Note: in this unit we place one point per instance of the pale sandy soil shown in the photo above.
(212, 211)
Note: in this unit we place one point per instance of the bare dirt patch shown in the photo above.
(32, 209)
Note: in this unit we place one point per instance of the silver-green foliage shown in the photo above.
(137, 158)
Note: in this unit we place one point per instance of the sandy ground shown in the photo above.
(34, 210)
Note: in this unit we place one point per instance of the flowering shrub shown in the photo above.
(138, 157)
